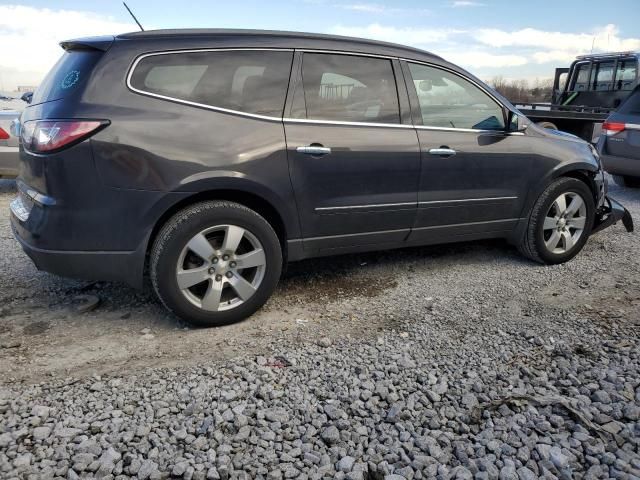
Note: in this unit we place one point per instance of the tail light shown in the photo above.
(611, 128)
(3, 135)
(47, 136)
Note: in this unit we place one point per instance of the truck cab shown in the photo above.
(597, 81)
(586, 93)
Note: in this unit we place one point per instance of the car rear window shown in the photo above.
(67, 76)
(632, 104)
(246, 81)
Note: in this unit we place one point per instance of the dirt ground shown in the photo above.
(44, 332)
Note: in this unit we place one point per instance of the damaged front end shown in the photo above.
(609, 214)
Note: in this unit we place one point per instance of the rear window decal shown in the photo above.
(70, 79)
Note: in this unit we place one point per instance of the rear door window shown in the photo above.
(67, 76)
(245, 81)
(349, 88)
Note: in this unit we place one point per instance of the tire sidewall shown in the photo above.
(566, 186)
(198, 219)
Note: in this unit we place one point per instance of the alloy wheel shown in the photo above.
(564, 223)
(221, 267)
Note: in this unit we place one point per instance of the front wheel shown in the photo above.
(215, 263)
(560, 222)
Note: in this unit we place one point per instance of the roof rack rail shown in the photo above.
(604, 55)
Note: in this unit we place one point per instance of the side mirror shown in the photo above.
(517, 122)
(27, 97)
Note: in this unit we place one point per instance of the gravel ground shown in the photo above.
(461, 361)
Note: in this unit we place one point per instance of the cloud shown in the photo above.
(552, 46)
(466, 3)
(375, 8)
(364, 7)
(480, 59)
(30, 37)
(495, 51)
(405, 35)
(442, 42)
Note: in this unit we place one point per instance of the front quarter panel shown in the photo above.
(558, 155)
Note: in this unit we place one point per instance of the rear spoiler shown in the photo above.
(89, 43)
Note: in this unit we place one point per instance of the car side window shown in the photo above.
(626, 74)
(603, 76)
(449, 101)
(349, 88)
(581, 82)
(246, 81)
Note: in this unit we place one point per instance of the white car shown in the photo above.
(8, 143)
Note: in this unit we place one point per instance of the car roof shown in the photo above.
(288, 39)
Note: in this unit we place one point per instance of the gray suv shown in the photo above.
(213, 157)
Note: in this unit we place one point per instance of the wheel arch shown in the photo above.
(280, 212)
(585, 172)
(250, 200)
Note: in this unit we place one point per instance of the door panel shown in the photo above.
(482, 186)
(368, 183)
(474, 175)
(354, 165)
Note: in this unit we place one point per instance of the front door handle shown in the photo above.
(314, 150)
(443, 152)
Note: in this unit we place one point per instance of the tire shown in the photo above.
(537, 236)
(229, 239)
(549, 125)
(627, 181)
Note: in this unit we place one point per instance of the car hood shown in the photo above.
(556, 134)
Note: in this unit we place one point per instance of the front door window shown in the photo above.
(447, 100)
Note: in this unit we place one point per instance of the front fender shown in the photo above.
(561, 170)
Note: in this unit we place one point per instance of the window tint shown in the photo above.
(626, 74)
(65, 78)
(632, 104)
(582, 78)
(349, 88)
(179, 80)
(447, 100)
(246, 81)
(603, 76)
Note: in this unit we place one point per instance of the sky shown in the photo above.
(508, 38)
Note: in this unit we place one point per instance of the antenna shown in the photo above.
(134, 17)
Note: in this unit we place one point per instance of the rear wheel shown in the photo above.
(627, 181)
(215, 263)
(560, 222)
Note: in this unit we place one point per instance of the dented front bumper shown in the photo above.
(610, 213)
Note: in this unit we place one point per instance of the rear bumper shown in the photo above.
(45, 230)
(110, 266)
(610, 214)
(621, 165)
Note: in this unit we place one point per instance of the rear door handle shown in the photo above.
(314, 150)
(443, 152)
